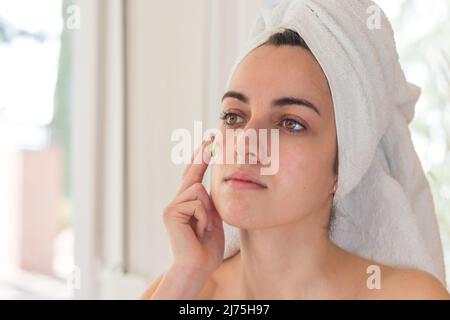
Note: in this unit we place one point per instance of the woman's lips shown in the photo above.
(241, 180)
(241, 184)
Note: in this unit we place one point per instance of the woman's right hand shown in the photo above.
(187, 217)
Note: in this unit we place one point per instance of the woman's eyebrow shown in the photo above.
(287, 101)
(235, 95)
(281, 102)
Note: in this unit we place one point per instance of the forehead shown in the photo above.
(285, 70)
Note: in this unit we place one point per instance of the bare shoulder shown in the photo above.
(385, 282)
(208, 290)
(151, 288)
(410, 284)
(219, 285)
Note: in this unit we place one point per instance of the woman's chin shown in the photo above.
(239, 214)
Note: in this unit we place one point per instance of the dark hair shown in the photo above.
(288, 37)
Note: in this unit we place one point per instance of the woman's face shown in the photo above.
(304, 181)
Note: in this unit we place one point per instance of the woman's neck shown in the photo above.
(286, 261)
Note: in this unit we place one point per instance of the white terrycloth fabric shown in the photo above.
(384, 207)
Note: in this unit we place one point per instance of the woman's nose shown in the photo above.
(251, 141)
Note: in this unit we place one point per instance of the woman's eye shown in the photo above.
(230, 118)
(292, 125)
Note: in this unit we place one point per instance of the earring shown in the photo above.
(334, 188)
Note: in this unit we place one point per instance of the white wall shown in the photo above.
(166, 43)
(179, 54)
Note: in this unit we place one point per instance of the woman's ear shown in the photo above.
(335, 186)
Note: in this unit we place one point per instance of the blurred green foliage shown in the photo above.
(422, 32)
(63, 102)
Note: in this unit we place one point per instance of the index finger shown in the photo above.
(195, 172)
(209, 138)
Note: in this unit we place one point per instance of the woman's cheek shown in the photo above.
(292, 156)
(296, 164)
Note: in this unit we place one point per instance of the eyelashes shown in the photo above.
(230, 119)
(298, 126)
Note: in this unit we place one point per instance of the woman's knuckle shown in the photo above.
(167, 211)
(198, 203)
(197, 186)
(199, 189)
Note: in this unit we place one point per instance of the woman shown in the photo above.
(284, 218)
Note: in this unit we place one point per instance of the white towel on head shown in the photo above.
(383, 205)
